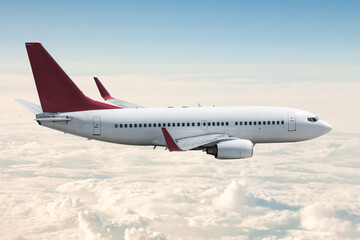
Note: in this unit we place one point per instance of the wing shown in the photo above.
(193, 142)
(107, 97)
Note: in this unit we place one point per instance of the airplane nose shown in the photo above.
(326, 127)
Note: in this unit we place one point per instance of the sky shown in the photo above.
(302, 54)
(202, 32)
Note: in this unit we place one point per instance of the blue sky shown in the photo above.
(190, 32)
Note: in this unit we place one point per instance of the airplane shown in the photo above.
(224, 132)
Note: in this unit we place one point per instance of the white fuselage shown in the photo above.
(224, 132)
(142, 126)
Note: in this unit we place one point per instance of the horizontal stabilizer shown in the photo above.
(36, 109)
(54, 119)
(107, 97)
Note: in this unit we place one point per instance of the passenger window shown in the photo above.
(178, 124)
(125, 125)
(213, 123)
(264, 122)
(250, 123)
(140, 125)
(198, 124)
(183, 124)
(218, 123)
(236, 123)
(269, 123)
(245, 123)
(254, 123)
(169, 124)
(273, 122)
(188, 124)
(173, 124)
(120, 125)
(282, 122)
(130, 125)
(164, 124)
(222, 123)
(144, 124)
(149, 124)
(135, 125)
(116, 125)
(209, 123)
(240, 123)
(259, 122)
(193, 124)
(277, 122)
(227, 123)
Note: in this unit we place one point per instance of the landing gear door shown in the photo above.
(97, 126)
(291, 122)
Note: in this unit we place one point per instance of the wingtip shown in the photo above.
(103, 92)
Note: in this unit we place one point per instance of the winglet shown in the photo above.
(170, 143)
(104, 93)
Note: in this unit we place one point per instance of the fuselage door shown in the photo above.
(291, 122)
(204, 125)
(97, 125)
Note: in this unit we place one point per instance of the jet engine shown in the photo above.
(232, 149)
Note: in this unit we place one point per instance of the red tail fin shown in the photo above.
(57, 92)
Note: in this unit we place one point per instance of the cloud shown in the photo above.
(92, 190)
(324, 217)
(236, 198)
(86, 189)
(59, 186)
(133, 228)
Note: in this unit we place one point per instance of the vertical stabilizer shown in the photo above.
(57, 92)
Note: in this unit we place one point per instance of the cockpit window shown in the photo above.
(313, 119)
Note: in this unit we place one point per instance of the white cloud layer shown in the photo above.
(57, 186)
(75, 189)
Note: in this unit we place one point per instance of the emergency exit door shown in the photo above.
(292, 122)
(97, 126)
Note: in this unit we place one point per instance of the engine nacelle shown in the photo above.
(232, 149)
